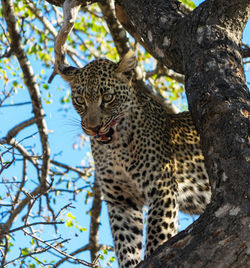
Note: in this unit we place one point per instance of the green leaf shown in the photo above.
(69, 223)
(189, 3)
(69, 215)
(112, 259)
(45, 86)
(25, 251)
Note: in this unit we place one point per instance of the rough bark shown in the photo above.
(206, 47)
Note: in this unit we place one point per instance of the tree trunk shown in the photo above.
(205, 45)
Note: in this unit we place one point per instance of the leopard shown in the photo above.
(145, 157)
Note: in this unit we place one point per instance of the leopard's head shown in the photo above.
(101, 94)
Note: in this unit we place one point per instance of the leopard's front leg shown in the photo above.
(162, 221)
(125, 215)
(127, 226)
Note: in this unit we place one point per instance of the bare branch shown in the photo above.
(84, 248)
(161, 70)
(5, 227)
(31, 5)
(29, 80)
(15, 130)
(116, 30)
(79, 261)
(32, 224)
(246, 51)
(16, 104)
(95, 222)
(67, 167)
(70, 11)
(60, 211)
(73, 53)
(4, 253)
(21, 185)
(38, 251)
(22, 150)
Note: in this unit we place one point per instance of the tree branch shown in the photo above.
(116, 30)
(79, 261)
(161, 70)
(15, 130)
(67, 167)
(15, 104)
(29, 80)
(84, 248)
(95, 222)
(70, 11)
(32, 224)
(245, 51)
(157, 20)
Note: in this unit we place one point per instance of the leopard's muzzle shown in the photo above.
(103, 134)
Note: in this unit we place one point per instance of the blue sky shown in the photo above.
(61, 141)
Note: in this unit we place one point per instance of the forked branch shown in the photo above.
(70, 11)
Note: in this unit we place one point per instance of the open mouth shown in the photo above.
(105, 138)
(104, 134)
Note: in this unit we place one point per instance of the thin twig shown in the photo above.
(79, 261)
(60, 211)
(16, 104)
(67, 167)
(16, 129)
(95, 221)
(32, 224)
(38, 251)
(161, 70)
(20, 187)
(4, 254)
(21, 150)
(84, 248)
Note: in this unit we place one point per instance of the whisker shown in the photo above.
(73, 125)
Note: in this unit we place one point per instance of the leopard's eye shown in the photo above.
(79, 100)
(108, 97)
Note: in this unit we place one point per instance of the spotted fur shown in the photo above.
(143, 156)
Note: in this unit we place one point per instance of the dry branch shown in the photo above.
(79, 261)
(95, 222)
(161, 70)
(15, 130)
(67, 167)
(70, 11)
(30, 82)
(116, 30)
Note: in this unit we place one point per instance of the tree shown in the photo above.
(205, 46)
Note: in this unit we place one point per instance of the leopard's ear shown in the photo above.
(127, 63)
(68, 73)
(126, 67)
